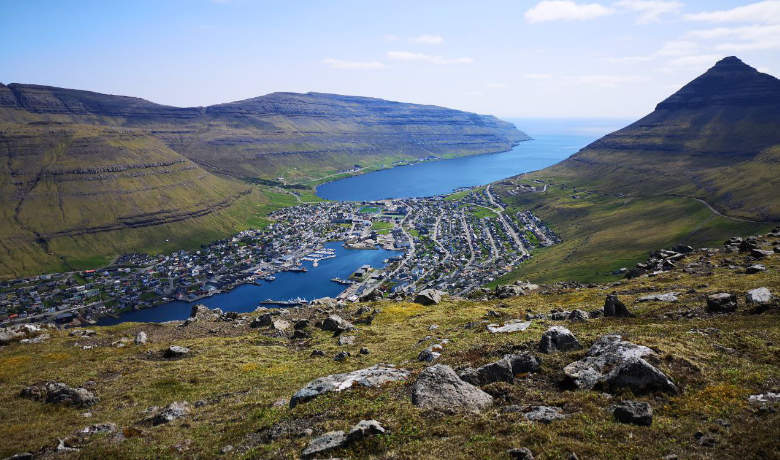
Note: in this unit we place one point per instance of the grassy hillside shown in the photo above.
(235, 376)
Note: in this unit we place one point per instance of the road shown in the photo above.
(467, 233)
(510, 231)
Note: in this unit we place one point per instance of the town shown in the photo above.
(455, 243)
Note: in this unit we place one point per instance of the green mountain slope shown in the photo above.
(704, 164)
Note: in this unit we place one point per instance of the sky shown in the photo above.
(562, 58)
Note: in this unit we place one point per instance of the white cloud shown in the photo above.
(352, 65)
(565, 10)
(650, 10)
(496, 85)
(605, 81)
(755, 37)
(766, 12)
(537, 76)
(696, 61)
(427, 39)
(421, 57)
(677, 48)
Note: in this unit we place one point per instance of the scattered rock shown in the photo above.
(614, 364)
(369, 377)
(666, 297)
(520, 453)
(363, 429)
(515, 325)
(364, 351)
(173, 411)
(544, 414)
(614, 307)
(324, 443)
(760, 253)
(140, 338)
(266, 319)
(59, 393)
(428, 297)
(558, 338)
(633, 412)
(346, 340)
(280, 325)
(317, 353)
(336, 323)
(758, 296)
(176, 351)
(578, 316)
(756, 268)
(438, 387)
(341, 356)
(431, 353)
(721, 303)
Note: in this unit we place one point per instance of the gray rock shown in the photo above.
(523, 363)
(614, 307)
(364, 351)
(428, 297)
(317, 353)
(510, 326)
(438, 387)
(336, 323)
(431, 353)
(760, 253)
(171, 412)
(98, 428)
(578, 316)
(633, 412)
(614, 364)
(758, 296)
(266, 319)
(503, 370)
(369, 377)
(363, 429)
(520, 453)
(755, 268)
(558, 338)
(666, 297)
(324, 443)
(176, 351)
(201, 312)
(59, 393)
(722, 302)
(341, 356)
(21, 456)
(346, 340)
(140, 338)
(544, 414)
(280, 325)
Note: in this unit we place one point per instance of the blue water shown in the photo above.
(443, 176)
(313, 284)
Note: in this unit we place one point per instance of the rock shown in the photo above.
(8, 335)
(520, 453)
(369, 377)
(59, 393)
(346, 340)
(578, 315)
(25, 333)
(300, 334)
(428, 297)
(515, 325)
(438, 387)
(614, 364)
(21, 456)
(633, 412)
(758, 296)
(201, 312)
(82, 333)
(666, 297)
(317, 353)
(364, 351)
(173, 411)
(140, 338)
(499, 371)
(301, 324)
(721, 303)
(336, 323)
(280, 325)
(266, 319)
(98, 428)
(176, 351)
(544, 414)
(760, 253)
(341, 356)
(756, 268)
(614, 307)
(558, 338)
(764, 398)
(364, 428)
(523, 363)
(431, 353)
(324, 443)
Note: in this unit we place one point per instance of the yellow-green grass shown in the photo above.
(241, 373)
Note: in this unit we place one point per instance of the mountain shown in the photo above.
(704, 163)
(86, 176)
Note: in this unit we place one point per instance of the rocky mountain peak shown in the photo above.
(730, 82)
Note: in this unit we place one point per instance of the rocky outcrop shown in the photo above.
(335, 439)
(59, 393)
(633, 412)
(558, 338)
(722, 302)
(428, 297)
(614, 307)
(369, 377)
(510, 326)
(439, 388)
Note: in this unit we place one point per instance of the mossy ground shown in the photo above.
(240, 372)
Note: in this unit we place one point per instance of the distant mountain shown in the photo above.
(85, 176)
(703, 164)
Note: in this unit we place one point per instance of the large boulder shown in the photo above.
(613, 364)
(633, 412)
(665, 297)
(614, 307)
(335, 439)
(336, 323)
(438, 387)
(514, 325)
(370, 377)
(558, 338)
(503, 370)
(201, 312)
(176, 351)
(758, 296)
(59, 393)
(266, 319)
(722, 302)
(428, 297)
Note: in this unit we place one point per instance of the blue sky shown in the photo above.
(590, 58)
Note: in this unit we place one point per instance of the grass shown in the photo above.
(239, 373)
(481, 212)
(383, 228)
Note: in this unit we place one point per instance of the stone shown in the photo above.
(515, 325)
(633, 412)
(98, 428)
(171, 412)
(499, 371)
(520, 453)
(363, 429)
(764, 398)
(722, 302)
(438, 387)
(544, 414)
(755, 268)
(428, 297)
(317, 353)
(176, 351)
(140, 338)
(369, 377)
(59, 393)
(328, 441)
(300, 334)
(341, 356)
(201, 312)
(578, 316)
(301, 324)
(758, 296)
(614, 364)
(614, 307)
(666, 297)
(364, 351)
(346, 340)
(431, 353)
(760, 253)
(266, 319)
(336, 323)
(558, 338)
